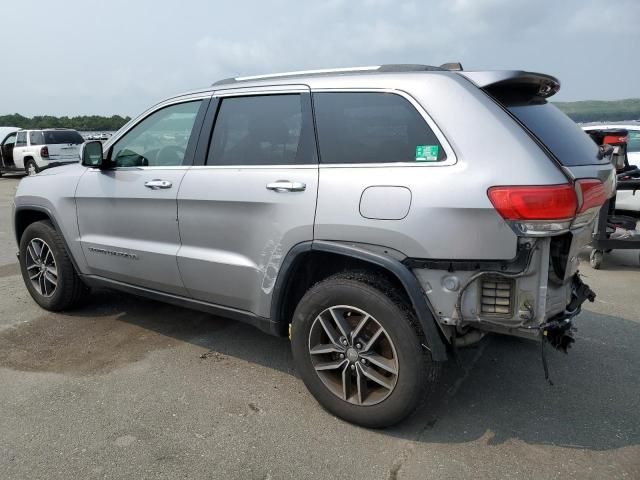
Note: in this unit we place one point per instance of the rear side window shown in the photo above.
(566, 141)
(262, 130)
(369, 127)
(21, 140)
(53, 137)
(36, 138)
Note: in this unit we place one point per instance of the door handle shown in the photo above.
(286, 186)
(157, 184)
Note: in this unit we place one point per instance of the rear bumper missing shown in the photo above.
(523, 298)
(558, 330)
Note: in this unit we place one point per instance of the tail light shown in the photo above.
(44, 152)
(548, 209)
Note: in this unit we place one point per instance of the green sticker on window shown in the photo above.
(426, 153)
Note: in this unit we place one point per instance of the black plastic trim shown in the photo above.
(283, 281)
(264, 324)
(515, 264)
(202, 148)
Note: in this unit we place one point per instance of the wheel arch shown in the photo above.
(25, 215)
(309, 262)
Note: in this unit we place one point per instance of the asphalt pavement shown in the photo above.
(125, 387)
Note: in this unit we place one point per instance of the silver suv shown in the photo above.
(382, 217)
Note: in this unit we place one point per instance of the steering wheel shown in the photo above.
(169, 154)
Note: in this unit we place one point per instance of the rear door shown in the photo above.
(251, 199)
(127, 215)
(19, 149)
(7, 150)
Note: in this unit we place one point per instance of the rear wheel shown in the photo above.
(358, 349)
(31, 168)
(46, 268)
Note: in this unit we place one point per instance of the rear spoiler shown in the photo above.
(523, 84)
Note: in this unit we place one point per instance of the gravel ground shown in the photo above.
(130, 388)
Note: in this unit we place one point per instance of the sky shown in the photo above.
(90, 57)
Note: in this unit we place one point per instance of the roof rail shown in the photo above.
(389, 68)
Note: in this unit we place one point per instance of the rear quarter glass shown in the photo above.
(558, 133)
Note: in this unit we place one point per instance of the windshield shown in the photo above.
(52, 137)
(566, 141)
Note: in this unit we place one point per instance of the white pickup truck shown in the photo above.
(32, 150)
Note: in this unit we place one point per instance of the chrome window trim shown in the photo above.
(263, 90)
(309, 166)
(452, 159)
(154, 167)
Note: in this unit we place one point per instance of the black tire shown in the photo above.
(30, 163)
(69, 288)
(595, 259)
(416, 372)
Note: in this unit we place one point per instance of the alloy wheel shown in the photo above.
(41, 267)
(353, 355)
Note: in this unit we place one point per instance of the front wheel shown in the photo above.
(46, 268)
(358, 349)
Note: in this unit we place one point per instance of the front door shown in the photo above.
(127, 214)
(7, 150)
(252, 200)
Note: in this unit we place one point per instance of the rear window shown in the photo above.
(53, 137)
(566, 141)
(369, 127)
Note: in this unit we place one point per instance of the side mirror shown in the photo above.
(91, 154)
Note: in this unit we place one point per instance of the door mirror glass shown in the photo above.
(92, 154)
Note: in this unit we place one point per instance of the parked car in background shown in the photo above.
(7, 140)
(32, 150)
(356, 211)
(626, 199)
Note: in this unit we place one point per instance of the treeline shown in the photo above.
(583, 111)
(85, 123)
(602, 111)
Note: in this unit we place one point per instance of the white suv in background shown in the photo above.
(36, 149)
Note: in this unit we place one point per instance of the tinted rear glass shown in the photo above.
(62, 136)
(368, 127)
(566, 141)
(261, 130)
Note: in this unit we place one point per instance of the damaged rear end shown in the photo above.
(538, 293)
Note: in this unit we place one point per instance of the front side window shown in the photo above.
(21, 141)
(372, 127)
(159, 140)
(36, 138)
(261, 130)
